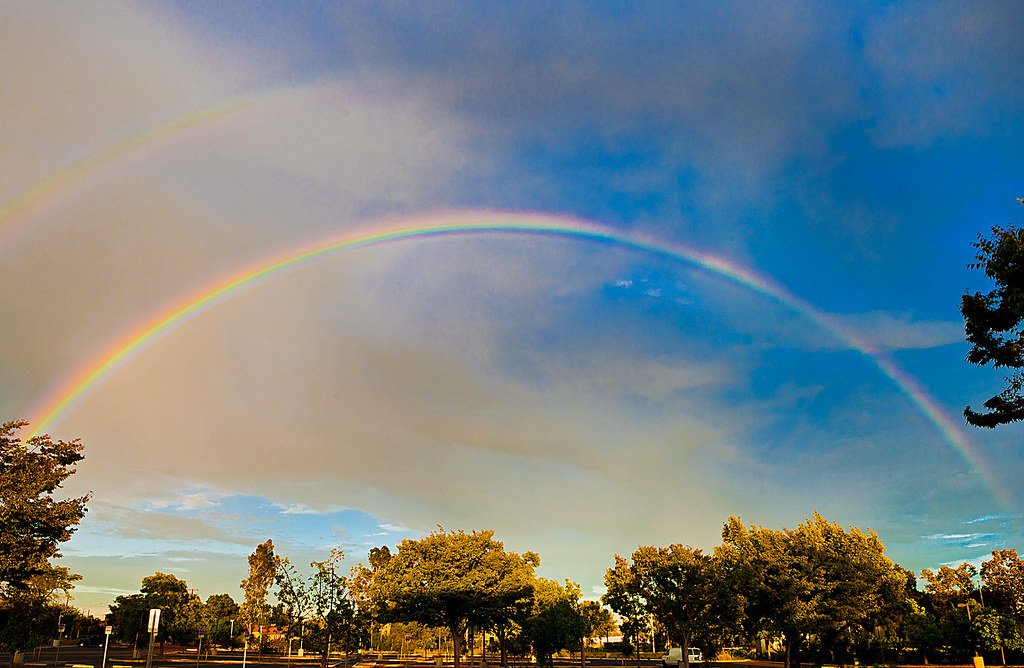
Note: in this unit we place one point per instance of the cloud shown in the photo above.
(895, 331)
(985, 518)
(945, 70)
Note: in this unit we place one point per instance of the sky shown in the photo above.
(592, 275)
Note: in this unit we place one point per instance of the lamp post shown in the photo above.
(231, 635)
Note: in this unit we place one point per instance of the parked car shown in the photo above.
(674, 657)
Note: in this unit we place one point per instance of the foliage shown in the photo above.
(220, 610)
(816, 580)
(182, 614)
(997, 631)
(263, 565)
(1003, 576)
(338, 622)
(449, 580)
(292, 594)
(680, 586)
(623, 596)
(32, 522)
(993, 322)
(555, 623)
(949, 587)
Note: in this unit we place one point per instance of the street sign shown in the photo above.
(154, 620)
(108, 630)
(60, 628)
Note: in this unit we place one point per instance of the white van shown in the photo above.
(674, 657)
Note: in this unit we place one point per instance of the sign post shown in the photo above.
(106, 643)
(152, 627)
(60, 636)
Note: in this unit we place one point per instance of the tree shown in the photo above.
(179, 615)
(510, 597)
(623, 596)
(29, 614)
(32, 522)
(997, 630)
(292, 594)
(221, 609)
(1003, 576)
(336, 617)
(555, 623)
(948, 587)
(594, 619)
(993, 322)
(263, 565)
(816, 580)
(678, 584)
(447, 579)
(32, 525)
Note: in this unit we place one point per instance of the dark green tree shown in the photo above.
(993, 322)
(555, 623)
(221, 609)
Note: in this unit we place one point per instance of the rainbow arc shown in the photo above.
(74, 388)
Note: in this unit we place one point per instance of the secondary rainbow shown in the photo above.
(57, 181)
(483, 223)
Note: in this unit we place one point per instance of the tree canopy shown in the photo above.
(451, 579)
(816, 580)
(263, 565)
(993, 322)
(32, 521)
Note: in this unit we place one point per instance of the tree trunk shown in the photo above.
(456, 643)
(791, 652)
(583, 653)
(502, 634)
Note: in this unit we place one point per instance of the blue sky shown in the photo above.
(580, 399)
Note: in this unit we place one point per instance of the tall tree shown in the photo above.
(993, 322)
(338, 622)
(263, 565)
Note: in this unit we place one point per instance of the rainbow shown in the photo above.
(62, 178)
(53, 408)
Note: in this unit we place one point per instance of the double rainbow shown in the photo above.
(57, 404)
